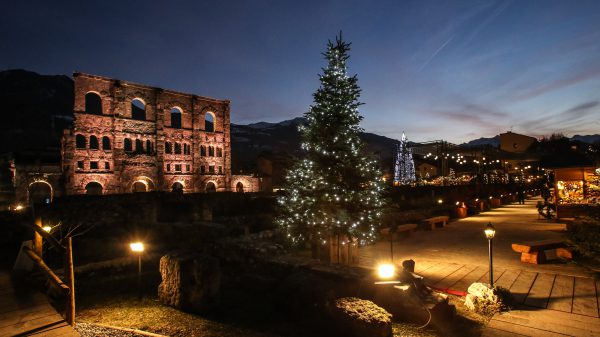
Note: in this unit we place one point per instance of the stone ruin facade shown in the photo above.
(127, 137)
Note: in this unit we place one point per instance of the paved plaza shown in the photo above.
(553, 299)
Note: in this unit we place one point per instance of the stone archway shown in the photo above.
(139, 187)
(177, 187)
(142, 184)
(39, 192)
(210, 187)
(239, 187)
(93, 188)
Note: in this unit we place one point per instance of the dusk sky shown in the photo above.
(453, 70)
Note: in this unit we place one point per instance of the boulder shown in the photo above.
(481, 296)
(190, 281)
(357, 317)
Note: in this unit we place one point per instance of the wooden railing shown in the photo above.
(35, 253)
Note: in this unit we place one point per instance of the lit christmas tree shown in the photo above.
(335, 189)
(404, 169)
(452, 177)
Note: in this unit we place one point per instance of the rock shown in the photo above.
(357, 317)
(409, 265)
(190, 281)
(480, 296)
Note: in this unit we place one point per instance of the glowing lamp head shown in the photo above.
(440, 201)
(137, 247)
(386, 271)
(489, 231)
(19, 207)
(47, 229)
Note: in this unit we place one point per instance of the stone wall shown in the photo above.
(122, 149)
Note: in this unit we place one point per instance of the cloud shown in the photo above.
(473, 114)
(582, 76)
(581, 107)
(576, 117)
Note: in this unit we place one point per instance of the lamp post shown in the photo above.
(138, 247)
(490, 231)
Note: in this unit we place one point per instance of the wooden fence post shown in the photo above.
(37, 238)
(70, 278)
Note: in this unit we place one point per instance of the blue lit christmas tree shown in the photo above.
(404, 168)
(335, 189)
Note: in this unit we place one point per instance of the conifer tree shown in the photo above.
(404, 168)
(335, 189)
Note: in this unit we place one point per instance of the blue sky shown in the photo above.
(453, 70)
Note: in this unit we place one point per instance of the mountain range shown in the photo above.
(36, 108)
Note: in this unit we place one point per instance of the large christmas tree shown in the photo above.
(335, 189)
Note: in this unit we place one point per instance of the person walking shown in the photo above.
(521, 195)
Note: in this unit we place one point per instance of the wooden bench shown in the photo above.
(535, 251)
(406, 228)
(430, 223)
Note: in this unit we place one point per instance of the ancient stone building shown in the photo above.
(128, 137)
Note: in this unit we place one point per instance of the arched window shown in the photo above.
(211, 151)
(210, 187)
(127, 145)
(149, 147)
(219, 152)
(239, 187)
(105, 143)
(93, 103)
(176, 118)
(138, 109)
(139, 146)
(80, 142)
(209, 122)
(168, 148)
(93, 188)
(93, 142)
(186, 148)
(177, 148)
(203, 151)
(177, 187)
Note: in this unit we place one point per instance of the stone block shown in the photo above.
(190, 281)
(481, 295)
(357, 317)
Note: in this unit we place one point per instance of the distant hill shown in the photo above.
(281, 141)
(35, 109)
(493, 141)
(590, 139)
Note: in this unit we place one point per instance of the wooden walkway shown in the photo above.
(25, 312)
(547, 304)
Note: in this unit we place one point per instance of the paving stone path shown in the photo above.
(552, 300)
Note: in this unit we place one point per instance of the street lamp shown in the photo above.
(490, 231)
(138, 247)
(386, 271)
